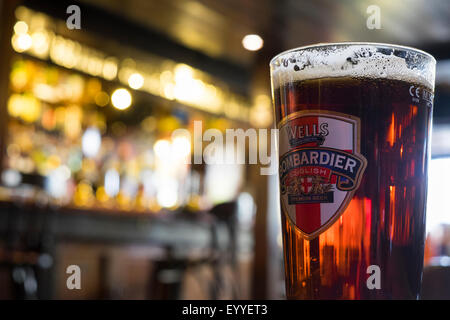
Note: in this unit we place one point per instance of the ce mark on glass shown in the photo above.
(417, 93)
(414, 92)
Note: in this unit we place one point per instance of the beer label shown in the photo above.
(320, 167)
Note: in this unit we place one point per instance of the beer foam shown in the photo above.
(355, 60)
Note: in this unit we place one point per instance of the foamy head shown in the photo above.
(356, 60)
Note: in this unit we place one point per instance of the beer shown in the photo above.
(353, 147)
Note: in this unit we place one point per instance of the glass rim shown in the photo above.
(352, 43)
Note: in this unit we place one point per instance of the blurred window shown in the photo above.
(438, 193)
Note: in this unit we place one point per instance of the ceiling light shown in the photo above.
(252, 42)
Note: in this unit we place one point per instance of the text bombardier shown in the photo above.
(339, 162)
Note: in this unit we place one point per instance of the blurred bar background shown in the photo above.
(91, 174)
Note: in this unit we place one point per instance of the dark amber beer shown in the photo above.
(354, 122)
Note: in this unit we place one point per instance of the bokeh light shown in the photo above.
(136, 81)
(21, 42)
(91, 142)
(121, 99)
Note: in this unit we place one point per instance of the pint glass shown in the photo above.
(354, 125)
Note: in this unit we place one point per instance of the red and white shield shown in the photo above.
(311, 195)
(306, 184)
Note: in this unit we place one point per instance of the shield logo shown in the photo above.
(320, 167)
